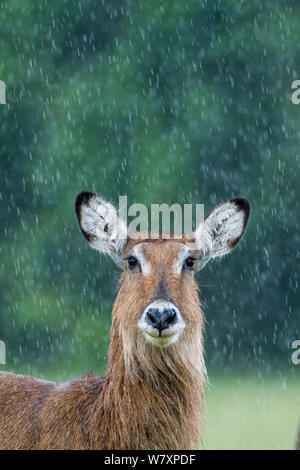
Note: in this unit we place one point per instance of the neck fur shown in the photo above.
(153, 397)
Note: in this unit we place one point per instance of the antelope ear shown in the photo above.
(223, 228)
(100, 224)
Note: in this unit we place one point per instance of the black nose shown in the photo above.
(161, 319)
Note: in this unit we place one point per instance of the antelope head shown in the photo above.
(158, 302)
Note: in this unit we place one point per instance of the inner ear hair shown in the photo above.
(225, 225)
(100, 225)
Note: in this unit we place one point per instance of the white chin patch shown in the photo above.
(168, 335)
(162, 341)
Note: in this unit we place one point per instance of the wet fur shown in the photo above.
(150, 398)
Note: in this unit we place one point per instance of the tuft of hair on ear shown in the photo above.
(83, 198)
(243, 205)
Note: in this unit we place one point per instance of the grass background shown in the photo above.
(252, 412)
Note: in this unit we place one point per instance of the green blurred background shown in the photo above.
(162, 101)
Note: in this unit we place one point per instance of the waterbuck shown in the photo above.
(151, 396)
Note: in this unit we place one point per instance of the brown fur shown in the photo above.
(150, 397)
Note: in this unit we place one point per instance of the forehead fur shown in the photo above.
(161, 241)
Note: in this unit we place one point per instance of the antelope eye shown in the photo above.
(132, 262)
(190, 262)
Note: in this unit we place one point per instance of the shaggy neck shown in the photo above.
(152, 397)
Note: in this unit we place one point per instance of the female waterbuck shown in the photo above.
(152, 394)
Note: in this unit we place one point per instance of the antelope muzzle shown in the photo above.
(161, 323)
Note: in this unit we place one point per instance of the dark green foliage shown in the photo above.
(164, 101)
